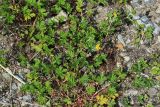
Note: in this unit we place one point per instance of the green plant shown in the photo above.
(126, 102)
(90, 89)
(140, 82)
(65, 54)
(155, 69)
(140, 65)
(2, 55)
(79, 5)
(28, 14)
(8, 14)
(149, 33)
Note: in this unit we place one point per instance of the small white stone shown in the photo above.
(126, 58)
(122, 54)
(136, 17)
(120, 39)
(141, 42)
(119, 64)
(144, 75)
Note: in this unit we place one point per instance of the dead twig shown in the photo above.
(105, 86)
(10, 73)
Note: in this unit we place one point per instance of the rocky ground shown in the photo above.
(147, 12)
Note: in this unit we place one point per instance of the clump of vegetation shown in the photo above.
(65, 52)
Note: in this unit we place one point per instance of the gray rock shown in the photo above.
(156, 30)
(14, 86)
(144, 19)
(149, 2)
(135, 3)
(27, 98)
(130, 92)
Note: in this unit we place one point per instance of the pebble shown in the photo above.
(57, 18)
(119, 64)
(120, 104)
(144, 19)
(27, 98)
(123, 54)
(136, 17)
(130, 92)
(126, 58)
(149, 2)
(128, 41)
(156, 30)
(129, 65)
(14, 86)
(120, 39)
(135, 3)
(144, 75)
